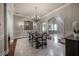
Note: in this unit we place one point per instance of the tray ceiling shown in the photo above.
(27, 9)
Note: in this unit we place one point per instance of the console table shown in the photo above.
(71, 46)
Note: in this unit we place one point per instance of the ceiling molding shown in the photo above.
(46, 15)
(56, 10)
(20, 15)
(23, 16)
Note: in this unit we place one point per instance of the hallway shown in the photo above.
(54, 48)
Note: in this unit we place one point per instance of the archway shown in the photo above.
(56, 28)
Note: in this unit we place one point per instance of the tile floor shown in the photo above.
(54, 48)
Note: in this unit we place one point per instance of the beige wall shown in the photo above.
(1, 29)
(19, 30)
(68, 15)
(19, 27)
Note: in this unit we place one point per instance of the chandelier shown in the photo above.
(36, 18)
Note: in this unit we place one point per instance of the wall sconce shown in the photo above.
(34, 24)
(20, 24)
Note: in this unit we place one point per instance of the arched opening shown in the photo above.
(56, 27)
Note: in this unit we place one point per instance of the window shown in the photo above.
(55, 27)
(44, 27)
(52, 27)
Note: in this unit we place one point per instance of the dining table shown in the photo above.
(37, 37)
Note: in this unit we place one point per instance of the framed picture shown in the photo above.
(28, 25)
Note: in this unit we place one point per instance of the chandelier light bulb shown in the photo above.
(36, 18)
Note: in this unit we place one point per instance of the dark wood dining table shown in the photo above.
(38, 39)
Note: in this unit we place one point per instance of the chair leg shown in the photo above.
(42, 43)
(37, 45)
(45, 44)
(32, 42)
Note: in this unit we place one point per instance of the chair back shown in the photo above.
(30, 35)
(44, 36)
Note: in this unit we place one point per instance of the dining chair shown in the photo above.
(31, 39)
(44, 40)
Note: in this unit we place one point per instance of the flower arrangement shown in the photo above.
(76, 28)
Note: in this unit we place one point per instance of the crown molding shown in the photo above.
(56, 10)
(21, 15)
(48, 14)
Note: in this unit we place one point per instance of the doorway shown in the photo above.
(56, 25)
(56, 28)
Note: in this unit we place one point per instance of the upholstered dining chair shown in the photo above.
(44, 40)
(30, 36)
(32, 39)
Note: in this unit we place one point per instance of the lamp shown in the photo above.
(36, 18)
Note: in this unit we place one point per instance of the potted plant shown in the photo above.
(76, 28)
